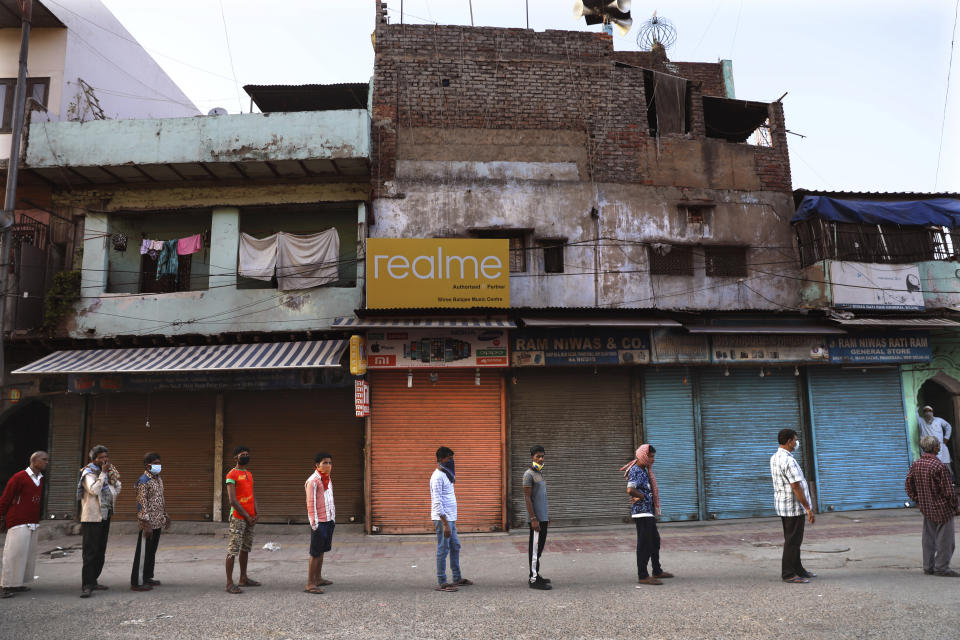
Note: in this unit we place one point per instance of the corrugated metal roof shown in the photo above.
(766, 329)
(798, 195)
(898, 322)
(222, 357)
(308, 97)
(421, 323)
(599, 322)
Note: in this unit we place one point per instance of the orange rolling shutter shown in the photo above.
(181, 431)
(408, 425)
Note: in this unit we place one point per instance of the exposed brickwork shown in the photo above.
(456, 77)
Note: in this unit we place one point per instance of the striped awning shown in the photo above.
(421, 323)
(222, 357)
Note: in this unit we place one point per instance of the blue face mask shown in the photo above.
(155, 469)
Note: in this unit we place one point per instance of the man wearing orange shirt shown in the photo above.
(243, 516)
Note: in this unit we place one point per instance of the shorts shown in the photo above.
(241, 536)
(321, 538)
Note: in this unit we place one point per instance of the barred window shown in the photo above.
(671, 260)
(725, 262)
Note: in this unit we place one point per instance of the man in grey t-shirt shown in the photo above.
(535, 495)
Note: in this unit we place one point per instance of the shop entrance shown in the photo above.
(23, 430)
(943, 394)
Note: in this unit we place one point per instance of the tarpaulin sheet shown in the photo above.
(940, 212)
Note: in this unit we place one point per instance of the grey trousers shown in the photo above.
(938, 545)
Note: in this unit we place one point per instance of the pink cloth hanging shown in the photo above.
(192, 244)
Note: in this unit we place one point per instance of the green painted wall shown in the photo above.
(946, 358)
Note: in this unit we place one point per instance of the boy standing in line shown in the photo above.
(535, 495)
(321, 514)
(443, 512)
(243, 516)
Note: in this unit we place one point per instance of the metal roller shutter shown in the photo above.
(740, 417)
(584, 420)
(860, 438)
(181, 431)
(66, 455)
(284, 430)
(669, 424)
(408, 425)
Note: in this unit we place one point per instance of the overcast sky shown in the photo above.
(866, 80)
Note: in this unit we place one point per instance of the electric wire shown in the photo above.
(946, 93)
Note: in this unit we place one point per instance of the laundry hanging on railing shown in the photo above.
(299, 261)
(182, 246)
(189, 245)
(168, 263)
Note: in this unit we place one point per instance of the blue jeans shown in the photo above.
(446, 546)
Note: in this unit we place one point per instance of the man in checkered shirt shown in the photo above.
(929, 485)
(792, 500)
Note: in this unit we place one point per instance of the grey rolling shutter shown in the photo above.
(860, 438)
(740, 416)
(668, 424)
(584, 420)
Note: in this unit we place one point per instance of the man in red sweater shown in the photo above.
(20, 510)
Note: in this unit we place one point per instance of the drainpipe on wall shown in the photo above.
(595, 214)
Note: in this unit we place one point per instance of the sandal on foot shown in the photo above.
(249, 582)
(324, 583)
(463, 582)
(796, 580)
(313, 589)
(445, 587)
(233, 589)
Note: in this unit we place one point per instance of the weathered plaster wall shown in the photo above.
(946, 359)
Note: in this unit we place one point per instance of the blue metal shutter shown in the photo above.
(740, 417)
(860, 438)
(668, 424)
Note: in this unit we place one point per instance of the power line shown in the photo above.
(226, 36)
(946, 95)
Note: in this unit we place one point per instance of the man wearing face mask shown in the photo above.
(243, 517)
(791, 500)
(443, 512)
(152, 517)
(535, 496)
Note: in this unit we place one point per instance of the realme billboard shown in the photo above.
(451, 273)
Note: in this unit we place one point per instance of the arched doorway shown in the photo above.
(23, 429)
(943, 394)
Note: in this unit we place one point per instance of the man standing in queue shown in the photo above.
(443, 512)
(535, 496)
(791, 500)
(20, 511)
(321, 514)
(153, 519)
(243, 517)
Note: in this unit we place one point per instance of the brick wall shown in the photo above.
(456, 77)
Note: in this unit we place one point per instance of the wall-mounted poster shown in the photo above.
(769, 348)
(858, 285)
(432, 349)
(673, 346)
(579, 347)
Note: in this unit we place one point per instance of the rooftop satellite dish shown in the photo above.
(656, 31)
(217, 111)
(608, 12)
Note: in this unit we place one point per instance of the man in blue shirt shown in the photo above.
(642, 487)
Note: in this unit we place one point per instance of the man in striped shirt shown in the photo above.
(321, 514)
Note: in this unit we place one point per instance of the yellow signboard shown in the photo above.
(358, 356)
(452, 273)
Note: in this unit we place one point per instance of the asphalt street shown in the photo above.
(870, 585)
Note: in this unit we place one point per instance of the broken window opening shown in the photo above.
(736, 120)
(671, 260)
(553, 255)
(725, 262)
(38, 89)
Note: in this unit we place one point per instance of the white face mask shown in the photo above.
(155, 469)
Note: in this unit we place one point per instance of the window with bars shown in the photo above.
(725, 262)
(518, 244)
(671, 260)
(891, 244)
(553, 255)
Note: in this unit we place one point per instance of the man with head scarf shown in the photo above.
(642, 487)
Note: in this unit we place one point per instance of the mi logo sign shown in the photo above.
(453, 273)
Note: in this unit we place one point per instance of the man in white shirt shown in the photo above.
(939, 429)
(791, 500)
(443, 512)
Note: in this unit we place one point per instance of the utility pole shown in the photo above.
(13, 168)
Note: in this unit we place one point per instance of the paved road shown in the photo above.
(870, 586)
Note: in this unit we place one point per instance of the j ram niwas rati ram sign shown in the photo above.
(451, 273)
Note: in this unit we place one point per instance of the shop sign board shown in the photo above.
(879, 349)
(448, 273)
(361, 398)
(677, 347)
(91, 383)
(730, 349)
(433, 349)
(860, 285)
(358, 355)
(579, 347)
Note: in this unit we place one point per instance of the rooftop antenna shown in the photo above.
(608, 12)
(656, 33)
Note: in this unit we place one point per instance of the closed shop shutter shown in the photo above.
(66, 455)
(859, 437)
(408, 425)
(181, 430)
(668, 424)
(284, 430)
(741, 415)
(584, 420)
